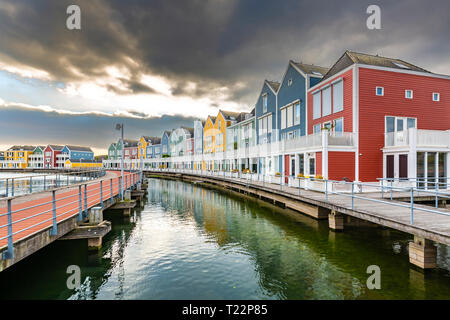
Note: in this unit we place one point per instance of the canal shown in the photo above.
(191, 242)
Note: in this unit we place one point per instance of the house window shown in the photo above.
(327, 125)
(269, 124)
(264, 102)
(326, 101)
(394, 124)
(289, 82)
(339, 125)
(317, 106)
(220, 124)
(436, 96)
(312, 166)
(297, 113)
(316, 128)
(408, 94)
(338, 96)
(289, 116)
(283, 118)
(380, 91)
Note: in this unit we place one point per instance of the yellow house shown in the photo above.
(224, 119)
(144, 142)
(17, 156)
(209, 135)
(82, 164)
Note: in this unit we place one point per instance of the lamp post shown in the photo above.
(120, 127)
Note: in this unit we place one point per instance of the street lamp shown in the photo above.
(120, 127)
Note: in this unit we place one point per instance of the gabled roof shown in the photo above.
(55, 147)
(155, 140)
(78, 148)
(130, 143)
(20, 148)
(189, 130)
(351, 57)
(311, 69)
(229, 115)
(273, 84)
(213, 119)
(244, 116)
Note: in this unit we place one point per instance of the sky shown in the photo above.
(159, 64)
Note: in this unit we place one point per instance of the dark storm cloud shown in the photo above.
(216, 43)
(87, 129)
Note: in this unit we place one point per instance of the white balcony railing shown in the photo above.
(421, 138)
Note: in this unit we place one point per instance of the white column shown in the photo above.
(412, 155)
(325, 154)
(396, 166)
(447, 171)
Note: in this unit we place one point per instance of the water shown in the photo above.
(195, 243)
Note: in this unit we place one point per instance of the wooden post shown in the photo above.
(422, 253)
(336, 220)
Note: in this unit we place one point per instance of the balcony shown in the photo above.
(439, 139)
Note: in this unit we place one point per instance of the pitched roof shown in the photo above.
(147, 138)
(130, 143)
(274, 85)
(24, 148)
(190, 130)
(311, 69)
(56, 147)
(155, 140)
(244, 116)
(213, 119)
(229, 115)
(351, 57)
(85, 160)
(78, 148)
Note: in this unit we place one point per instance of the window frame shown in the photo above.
(382, 91)
(406, 94)
(438, 96)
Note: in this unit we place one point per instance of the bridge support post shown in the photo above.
(422, 253)
(336, 220)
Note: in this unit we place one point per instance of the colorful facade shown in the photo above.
(17, 156)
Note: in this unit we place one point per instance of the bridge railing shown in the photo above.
(18, 185)
(18, 220)
(378, 193)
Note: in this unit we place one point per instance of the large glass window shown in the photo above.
(317, 112)
(312, 166)
(283, 118)
(390, 124)
(297, 113)
(269, 124)
(411, 123)
(326, 96)
(339, 125)
(399, 124)
(264, 102)
(316, 128)
(338, 96)
(289, 116)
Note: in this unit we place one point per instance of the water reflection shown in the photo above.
(189, 242)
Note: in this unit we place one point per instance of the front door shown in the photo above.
(403, 166)
(286, 168)
(390, 166)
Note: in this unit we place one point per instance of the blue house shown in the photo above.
(266, 113)
(292, 109)
(154, 149)
(266, 123)
(77, 152)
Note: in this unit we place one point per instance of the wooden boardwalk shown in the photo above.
(33, 213)
(393, 214)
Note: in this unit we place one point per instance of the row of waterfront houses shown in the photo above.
(48, 157)
(367, 117)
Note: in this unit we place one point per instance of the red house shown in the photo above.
(50, 153)
(387, 118)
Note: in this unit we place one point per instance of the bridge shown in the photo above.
(345, 204)
(33, 220)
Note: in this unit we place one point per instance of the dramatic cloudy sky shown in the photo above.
(159, 64)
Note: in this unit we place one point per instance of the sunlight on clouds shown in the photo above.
(157, 83)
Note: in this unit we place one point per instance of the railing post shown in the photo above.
(80, 208)
(382, 189)
(299, 186)
(54, 230)
(31, 184)
(85, 200)
(12, 187)
(353, 195)
(120, 188)
(101, 193)
(112, 195)
(44, 182)
(7, 187)
(391, 189)
(412, 206)
(9, 254)
(326, 190)
(437, 197)
(68, 179)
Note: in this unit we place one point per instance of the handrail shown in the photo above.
(327, 192)
(88, 192)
